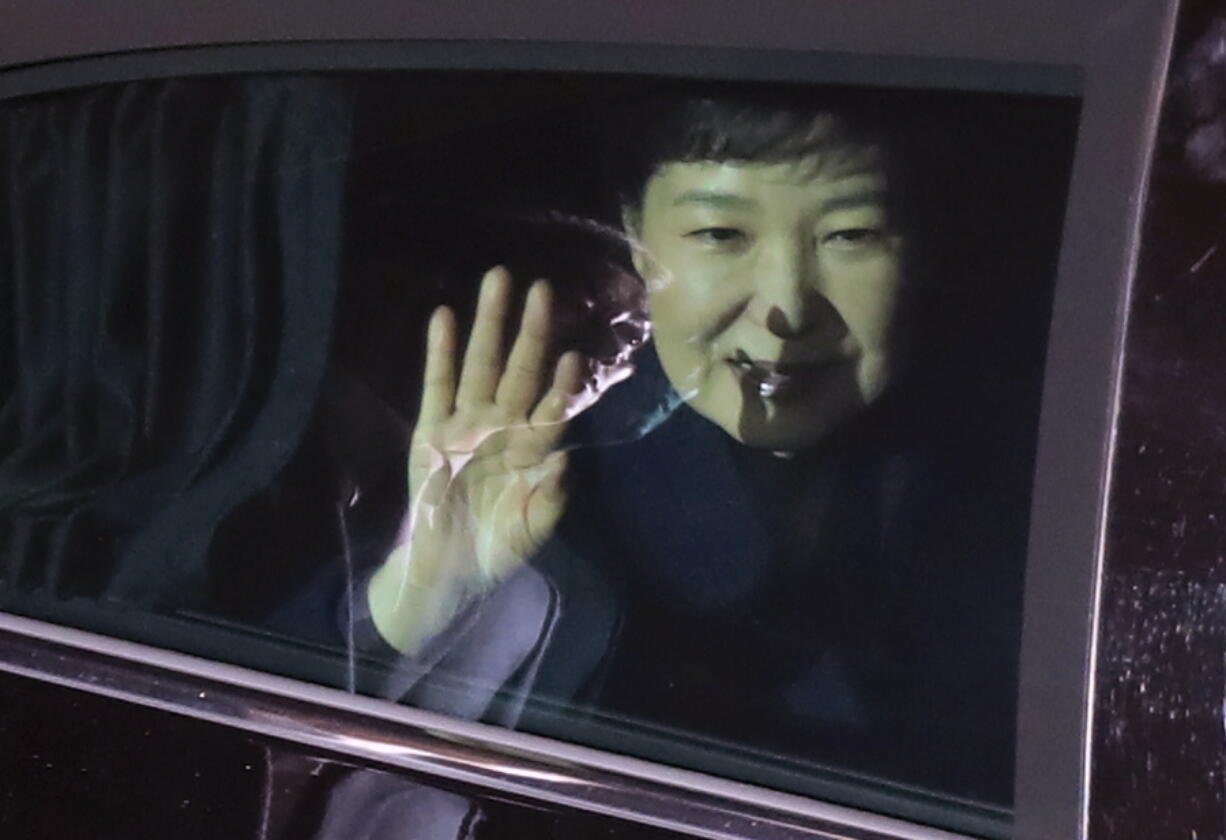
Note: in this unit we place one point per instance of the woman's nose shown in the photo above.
(787, 296)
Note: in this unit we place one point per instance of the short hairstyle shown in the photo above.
(758, 126)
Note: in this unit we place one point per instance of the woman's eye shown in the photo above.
(854, 238)
(719, 236)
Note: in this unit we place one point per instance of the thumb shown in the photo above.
(547, 500)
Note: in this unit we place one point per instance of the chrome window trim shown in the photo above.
(371, 730)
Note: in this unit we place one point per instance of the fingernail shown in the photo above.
(436, 326)
(490, 283)
(536, 292)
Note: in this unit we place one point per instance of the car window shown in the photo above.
(692, 421)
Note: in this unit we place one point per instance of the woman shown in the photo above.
(779, 561)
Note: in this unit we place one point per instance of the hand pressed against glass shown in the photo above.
(485, 474)
(773, 290)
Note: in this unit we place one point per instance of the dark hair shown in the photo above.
(764, 128)
(902, 131)
(765, 125)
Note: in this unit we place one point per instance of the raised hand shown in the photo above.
(485, 474)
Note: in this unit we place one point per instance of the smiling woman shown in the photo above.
(774, 262)
(773, 289)
(794, 548)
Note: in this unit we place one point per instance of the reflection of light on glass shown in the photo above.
(630, 329)
(267, 793)
(770, 382)
(663, 411)
(350, 641)
(630, 325)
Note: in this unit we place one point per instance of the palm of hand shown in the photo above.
(485, 491)
(485, 473)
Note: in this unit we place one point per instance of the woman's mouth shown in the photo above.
(778, 380)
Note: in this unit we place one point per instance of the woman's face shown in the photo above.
(773, 290)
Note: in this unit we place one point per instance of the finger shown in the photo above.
(547, 500)
(568, 381)
(547, 424)
(438, 386)
(522, 380)
(551, 488)
(538, 508)
(483, 356)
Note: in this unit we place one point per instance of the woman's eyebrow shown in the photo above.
(854, 200)
(716, 199)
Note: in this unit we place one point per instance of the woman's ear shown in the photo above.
(631, 226)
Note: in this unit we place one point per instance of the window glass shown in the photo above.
(692, 421)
